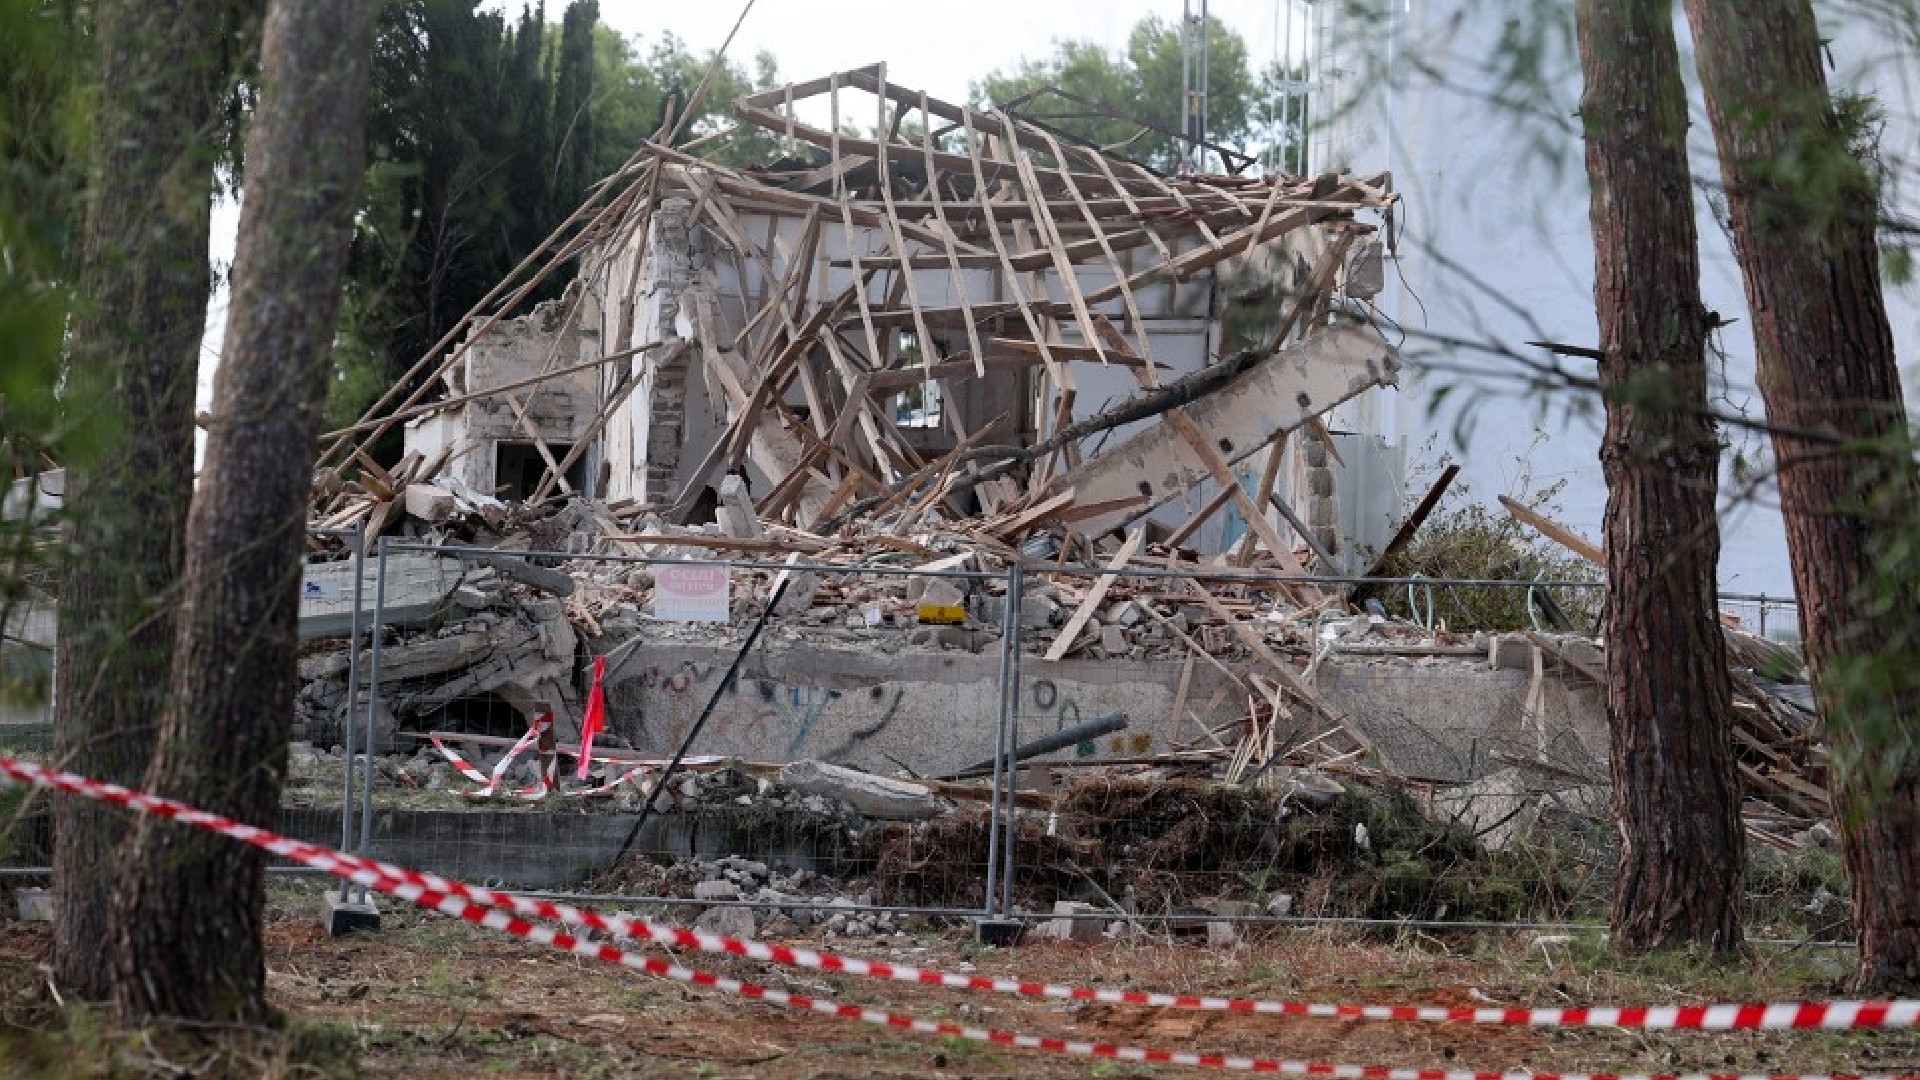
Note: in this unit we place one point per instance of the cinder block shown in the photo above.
(343, 916)
(1000, 933)
(35, 905)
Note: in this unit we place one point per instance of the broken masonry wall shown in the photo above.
(931, 711)
(1461, 721)
(510, 351)
(694, 278)
(934, 711)
(639, 293)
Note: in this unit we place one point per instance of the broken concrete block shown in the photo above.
(874, 796)
(34, 905)
(735, 510)
(733, 922)
(429, 502)
(1113, 640)
(1222, 933)
(1511, 651)
(720, 889)
(471, 598)
(799, 595)
(939, 592)
(1038, 612)
(1075, 922)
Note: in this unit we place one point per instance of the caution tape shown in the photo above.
(547, 782)
(453, 900)
(1832, 1016)
(490, 784)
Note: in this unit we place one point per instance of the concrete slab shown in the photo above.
(1456, 722)
(417, 588)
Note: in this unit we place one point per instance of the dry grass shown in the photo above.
(431, 998)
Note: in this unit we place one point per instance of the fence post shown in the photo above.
(1009, 641)
(353, 691)
(373, 698)
(1010, 727)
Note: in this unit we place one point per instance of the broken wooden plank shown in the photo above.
(1556, 532)
(1033, 515)
(1091, 602)
(1404, 534)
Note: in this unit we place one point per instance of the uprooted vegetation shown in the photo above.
(1463, 539)
(1167, 845)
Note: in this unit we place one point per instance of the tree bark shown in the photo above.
(1803, 211)
(135, 350)
(1676, 791)
(187, 941)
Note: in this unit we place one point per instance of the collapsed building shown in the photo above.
(968, 341)
(886, 319)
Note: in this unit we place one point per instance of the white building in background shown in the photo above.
(1470, 105)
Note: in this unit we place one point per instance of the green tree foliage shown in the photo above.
(486, 132)
(42, 193)
(575, 138)
(1143, 84)
(634, 87)
(454, 192)
(42, 189)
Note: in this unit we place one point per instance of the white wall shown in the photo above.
(1494, 244)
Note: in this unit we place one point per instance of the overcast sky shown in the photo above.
(938, 48)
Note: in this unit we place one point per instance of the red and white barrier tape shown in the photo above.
(548, 783)
(412, 886)
(490, 785)
(1837, 1015)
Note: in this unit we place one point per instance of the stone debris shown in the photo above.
(1074, 921)
(518, 641)
(872, 796)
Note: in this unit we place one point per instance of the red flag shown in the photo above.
(596, 719)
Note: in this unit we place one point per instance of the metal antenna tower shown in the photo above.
(1193, 81)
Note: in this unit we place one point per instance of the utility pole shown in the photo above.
(1193, 81)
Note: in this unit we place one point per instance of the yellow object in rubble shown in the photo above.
(942, 614)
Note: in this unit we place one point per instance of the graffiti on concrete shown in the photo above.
(763, 713)
(1065, 713)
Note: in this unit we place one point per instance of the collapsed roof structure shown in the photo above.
(972, 317)
(968, 340)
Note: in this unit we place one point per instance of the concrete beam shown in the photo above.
(1279, 394)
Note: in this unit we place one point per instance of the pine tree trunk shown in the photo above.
(135, 350)
(1676, 792)
(188, 913)
(1804, 216)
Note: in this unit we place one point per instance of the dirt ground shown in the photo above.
(430, 997)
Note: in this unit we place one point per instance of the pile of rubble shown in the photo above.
(493, 622)
(786, 902)
(965, 342)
